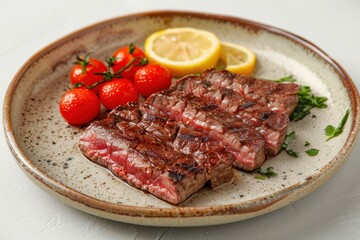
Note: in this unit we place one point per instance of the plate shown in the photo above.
(45, 147)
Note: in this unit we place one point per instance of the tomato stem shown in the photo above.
(131, 48)
(110, 61)
(108, 76)
(125, 67)
(83, 62)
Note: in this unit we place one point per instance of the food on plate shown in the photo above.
(79, 106)
(183, 50)
(126, 60)
(237, 58)
(197, 129)
(192, 138)
(152, 78)
(117, 92)
(87, 71)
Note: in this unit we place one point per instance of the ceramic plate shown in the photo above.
(46, 149)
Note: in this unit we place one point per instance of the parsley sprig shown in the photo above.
(307, 101)
(332, 132)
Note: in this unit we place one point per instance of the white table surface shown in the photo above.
(27, 212)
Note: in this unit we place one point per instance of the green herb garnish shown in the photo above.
(292, 153)
(289, 78)
(312, 152)
(265, 173)
(307, 101)
(332, 132)
(288, 138)
(307, 143)
(261, 177)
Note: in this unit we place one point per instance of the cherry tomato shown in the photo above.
(118, 92)
(124, 56)
(85, 70)
(152, 78)
(79, 106)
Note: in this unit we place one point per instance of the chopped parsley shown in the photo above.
(332, 132)
(268, 173)
(307, 143)
(312, 152)
(292, 153)
(307, 101)
(289, 78)
(288, 138)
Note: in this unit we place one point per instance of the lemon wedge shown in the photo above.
(183, 50)
(237, 58)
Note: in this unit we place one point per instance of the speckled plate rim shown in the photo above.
(235, 212)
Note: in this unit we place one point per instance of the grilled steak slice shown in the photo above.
(277, 97)
(207, 152)
(146, 165)
(246, 144)
(272, 125)
(157, 127)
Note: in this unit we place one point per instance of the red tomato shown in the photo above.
(79, 106)
(118, 92)
(125, 55)
(152, 78)
(85, 71)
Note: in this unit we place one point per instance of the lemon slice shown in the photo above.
(238, 59)
(183, 50)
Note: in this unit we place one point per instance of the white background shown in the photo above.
(27, 212)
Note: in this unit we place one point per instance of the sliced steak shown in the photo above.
(156, 126)
(195, 132)
(246, 144)
(207, 152)
(277, 97)
(146, 165)
(272, 125)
